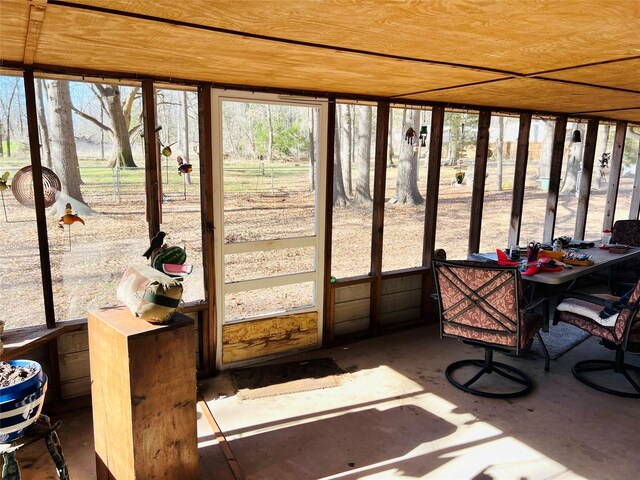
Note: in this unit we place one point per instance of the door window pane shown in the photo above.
(269, 178)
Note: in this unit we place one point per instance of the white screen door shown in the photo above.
(269, 185)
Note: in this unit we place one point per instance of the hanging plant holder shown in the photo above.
(410, 135)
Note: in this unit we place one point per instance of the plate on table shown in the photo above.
(578, 259)
(579, 263)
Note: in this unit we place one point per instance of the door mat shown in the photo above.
(291, 377)
(559, 339)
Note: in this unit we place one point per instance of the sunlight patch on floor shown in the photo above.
(461, 445)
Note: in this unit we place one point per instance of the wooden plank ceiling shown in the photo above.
(577, 57)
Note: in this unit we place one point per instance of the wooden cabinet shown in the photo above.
(143, 387)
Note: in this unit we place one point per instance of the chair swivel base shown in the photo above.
(581, 368)
(513, 376)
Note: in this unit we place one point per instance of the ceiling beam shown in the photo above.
(36, 17)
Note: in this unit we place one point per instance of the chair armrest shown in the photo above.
(535, 302)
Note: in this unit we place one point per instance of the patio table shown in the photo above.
(603, 260)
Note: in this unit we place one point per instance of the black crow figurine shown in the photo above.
(157, 242)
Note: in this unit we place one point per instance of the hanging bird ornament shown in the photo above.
(411, 133)
(183, 167)
(69, 218)
(166, 149)
(4, 186)
(3, 181)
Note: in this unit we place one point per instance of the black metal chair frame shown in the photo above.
(618, 365)
(475, 298)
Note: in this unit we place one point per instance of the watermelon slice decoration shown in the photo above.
(172, 255)
(176, 270)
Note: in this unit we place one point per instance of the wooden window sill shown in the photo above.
(19, 341)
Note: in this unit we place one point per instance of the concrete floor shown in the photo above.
(396, 416)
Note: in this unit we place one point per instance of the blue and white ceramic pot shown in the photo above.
(20, 404)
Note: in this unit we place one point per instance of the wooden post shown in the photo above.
(519, 179)
(554, 178)
(152, 172)
(143, 386)
(209, 325)
(614, 175)
(377, 228)
(634, 209)
(328, 323)
(431, 207)
(38, 195)
(479, 177)
(585, 179)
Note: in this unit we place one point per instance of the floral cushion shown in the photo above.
(483, 304)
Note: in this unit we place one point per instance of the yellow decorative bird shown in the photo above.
(69, 218)
(3, 181)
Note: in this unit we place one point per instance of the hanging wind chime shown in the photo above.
(423, 136)
(68, 219)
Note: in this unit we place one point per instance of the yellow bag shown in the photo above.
(149, 294)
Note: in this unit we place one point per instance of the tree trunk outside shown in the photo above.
(270, 144)
(346, 152)
(407, 181)
(339, 196)
(572, 168)
(390, 141)
(363, 156)
(499, 154)
(45, 140)
(312, 150)
(13, 94)
(121, 153)
(63, 146)
(544, 165)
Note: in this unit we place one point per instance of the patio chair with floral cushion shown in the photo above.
(617, 323)
(483, 305)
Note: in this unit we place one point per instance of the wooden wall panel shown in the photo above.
(262, 338)
(401, 284)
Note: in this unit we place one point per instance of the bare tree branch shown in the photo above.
(128, 104)
(92, 119)
(134, 129)
(100, 98)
